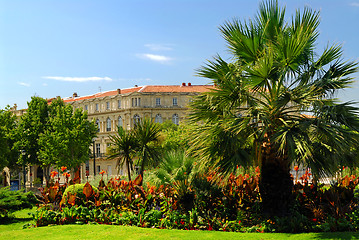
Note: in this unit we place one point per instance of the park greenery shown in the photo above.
(48, 135)
(234, 166)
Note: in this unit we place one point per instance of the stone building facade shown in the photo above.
(125, 107)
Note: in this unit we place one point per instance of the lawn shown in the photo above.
(13, 230)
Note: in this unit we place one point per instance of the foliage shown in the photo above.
(209, 202)
(8, 151)
(123, 148)
(67, 139)
(79, 194)
(31, 125)
(11, 201)
(174, 137)
(174, 166)
(147, 134)
(257, 113)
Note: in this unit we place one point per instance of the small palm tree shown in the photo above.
(175, 166)
(123, 148)
(258, 111)
(147, 133)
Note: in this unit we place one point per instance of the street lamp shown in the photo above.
(94, 158)
(23, 153)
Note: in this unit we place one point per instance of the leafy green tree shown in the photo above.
(123, 148)
(31, 125)
(147, 134)
(68, 137)
(273, 104)
(174, 137)
(8, 153)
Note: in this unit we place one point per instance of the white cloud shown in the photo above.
(159, 47)
(24, 84)
(354, 4)
(78, 79)
(156, 58)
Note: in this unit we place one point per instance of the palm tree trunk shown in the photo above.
(128, 169)
(144, 158)
(276, 184)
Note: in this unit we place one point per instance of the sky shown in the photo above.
(54, 48)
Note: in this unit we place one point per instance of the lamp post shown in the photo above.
(94, 158)
(23, 153)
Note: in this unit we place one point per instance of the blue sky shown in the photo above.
(54, 48)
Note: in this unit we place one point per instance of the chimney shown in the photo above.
(74, 95)
(189, 84)
(183, 84)
(118, 91)
(136, 85)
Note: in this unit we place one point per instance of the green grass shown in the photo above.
(13, 230)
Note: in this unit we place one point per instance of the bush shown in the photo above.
(11, 201)
(77, 190)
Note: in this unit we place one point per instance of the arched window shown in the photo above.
(158, 118)
(136, 120)
(175, 119)
(120, 122)
(108, 124)
(98, 125)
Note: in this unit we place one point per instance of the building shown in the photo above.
(125, 107)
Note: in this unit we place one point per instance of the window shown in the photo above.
(96, 107)
(174, 101)
(107, 105)
(136, 102)
(98, 149)
(108, 124)
(98, 169)
(120, 122)
(175, 119)
(158, 118)
(86, 108)
(136, 120)
(158, 101)
(119, 104)
(98, 125)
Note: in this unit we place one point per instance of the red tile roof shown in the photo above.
(147, 89)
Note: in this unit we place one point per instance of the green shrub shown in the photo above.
(78, 190)
(11, 201)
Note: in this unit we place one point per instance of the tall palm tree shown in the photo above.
(273, 105)
(147, 133)
(123, 148)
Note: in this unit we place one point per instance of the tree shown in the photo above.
(31, 125)
(123, 148)
(8, 152)
(174, 137)
(68, 137)
(147, 134)
(175, 166)
(273, 105)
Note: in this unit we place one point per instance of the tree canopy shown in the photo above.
(8, 153)
(274, 103)
(67, 138)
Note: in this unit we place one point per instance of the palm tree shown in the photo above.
(123, 148)
(273, 105)
(175, 166)
(147, 133)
